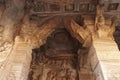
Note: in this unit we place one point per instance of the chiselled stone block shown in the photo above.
(98, 72)
(111, 69)
(92, 58)
(109, 60)
(107, 51)
(108, 55)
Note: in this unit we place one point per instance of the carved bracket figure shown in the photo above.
(103, 29)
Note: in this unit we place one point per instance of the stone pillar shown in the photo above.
(18, 63)
(105, 60)
(11, 15)
(84, 69)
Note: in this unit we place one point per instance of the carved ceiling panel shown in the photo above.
(113, 6)
(54, 7)
(65, 6)
(58, 1)
(69, 7)
(39, 6)
(88, 7)
(84, 7)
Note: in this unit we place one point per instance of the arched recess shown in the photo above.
(37, 36)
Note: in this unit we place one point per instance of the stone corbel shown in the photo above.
(35, 34)
(82, 34)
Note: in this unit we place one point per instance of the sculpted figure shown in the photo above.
(71, 75)
(51, 75)
(102, 29)
(99, 13)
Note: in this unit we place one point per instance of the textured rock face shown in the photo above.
(58, 59)
(11, 16)
(37, 35)
(15, 57)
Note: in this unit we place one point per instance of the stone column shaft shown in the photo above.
(105, 60)
(18, 63)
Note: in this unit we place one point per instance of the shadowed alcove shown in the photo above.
(60, 58)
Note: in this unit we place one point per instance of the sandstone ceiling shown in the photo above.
(65, 6)
(25, 12)
(81, 6)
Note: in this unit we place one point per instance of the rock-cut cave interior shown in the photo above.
(59, 39)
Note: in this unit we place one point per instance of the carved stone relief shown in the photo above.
(53, 69)
(40, 6)
(104, 30)
(58, 59)
(5, 49)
